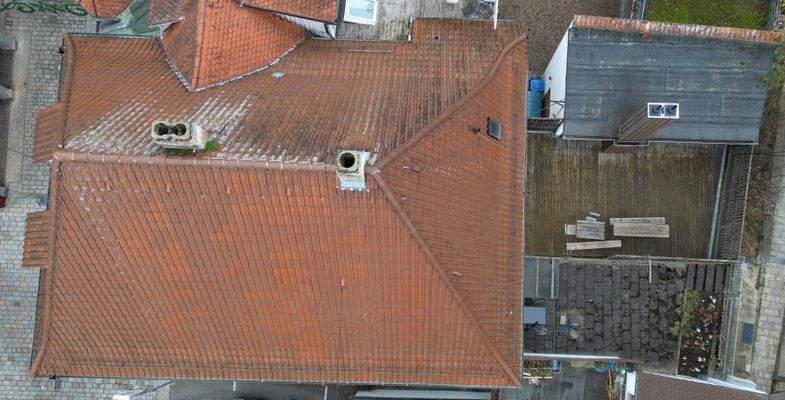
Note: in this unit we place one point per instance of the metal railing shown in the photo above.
(775, 9)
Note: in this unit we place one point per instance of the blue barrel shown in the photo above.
(537, 85)
(533, 104)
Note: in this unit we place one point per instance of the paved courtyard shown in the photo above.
(36, 86)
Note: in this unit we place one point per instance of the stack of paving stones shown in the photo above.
(43, 33)
(615, 311)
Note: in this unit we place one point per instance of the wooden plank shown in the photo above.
(606, 244)
(700, 277)
(708, 284)
(594, 214)
(592, 219)
(719, 278)
(570, 229)
(691, 271)
(641, 230)
(647, 220)
(590, 230)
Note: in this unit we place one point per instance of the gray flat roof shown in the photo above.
(720, 84)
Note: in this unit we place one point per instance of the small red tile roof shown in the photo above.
(249, 263)
(104, 8)
(661, 387)
(322, 10)
(219, 40)
(165, 11)
(676, 29)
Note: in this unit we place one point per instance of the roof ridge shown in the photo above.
(676, 29)
(100, 158)
(403, 148)
(444, 277)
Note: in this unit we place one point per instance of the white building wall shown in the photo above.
(556, 78)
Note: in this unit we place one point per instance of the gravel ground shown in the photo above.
(547, 20)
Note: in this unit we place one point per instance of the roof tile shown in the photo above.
(346, 294)
(165, 11)
(369, 96)
(38, 237)
(49, 126)
(160, 258)
(104, 8)
(323, 10)
(219, 40)
(676, 29)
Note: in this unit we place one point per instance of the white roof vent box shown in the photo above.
(179, 135)
(663, 110)
(350, 166)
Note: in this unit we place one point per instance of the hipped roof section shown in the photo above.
(216, 41)
(415, 281)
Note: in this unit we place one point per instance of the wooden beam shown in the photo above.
(606, 244)
(641, 230)
(648, 220)
(590, 230)
(569, 229)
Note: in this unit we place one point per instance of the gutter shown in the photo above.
(715, 215)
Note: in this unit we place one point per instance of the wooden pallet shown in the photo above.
(605, 244)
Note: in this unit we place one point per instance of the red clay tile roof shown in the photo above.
(38, 239)
(676, 29)
(105, 8)
(323, 10)
(218, 40)
(249, 269)
(370, 96)
(49, 124)
(659, 387)
(165, 11)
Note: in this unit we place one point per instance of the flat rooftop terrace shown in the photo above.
(567, 179)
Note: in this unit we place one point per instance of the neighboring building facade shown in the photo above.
(606, 70)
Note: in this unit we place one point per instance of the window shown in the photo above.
(360, 12)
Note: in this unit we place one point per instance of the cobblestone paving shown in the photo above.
(18, 286)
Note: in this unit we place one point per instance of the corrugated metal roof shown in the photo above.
(719, 83)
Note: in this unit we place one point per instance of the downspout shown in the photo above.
(715, 216)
